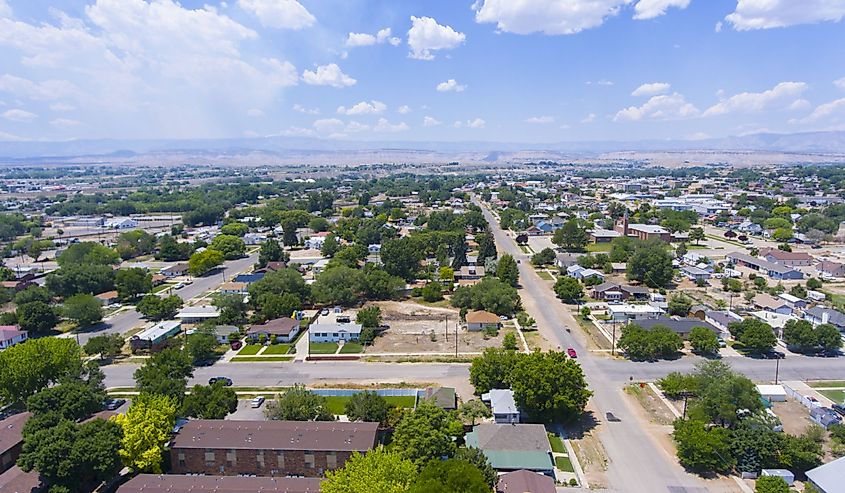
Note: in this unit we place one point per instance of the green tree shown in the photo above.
(379, 471)
(490, 294)
(35, 364)
(165, 373)
(549, 386)
(828, 337)
(401, 257)
(234, 229)
(202, 262)
(507, 270)
(170, 250)
(675, 384)
(621, 249)
(107, 346)
(679, 305)
(214, 401)
(492, 369)
(800, 334)
(232, 308)
(477, 458)
(231, 247)
(84, 309)
(131, 283)
(771, 484)
(282, 281)
(135, 243)
(154, 307)
(546, 256)
(424, 434)
(33, 293)
(337, 286)
(450, 476)
(367, 406)
(271, 306)
(813, 283)
(568, 289)
(758, 338)
(473, 410)
(72, 279)
(202, 346)
(572, 236)
(696, 234)
(782, 234)
(88, 253)
(486, 246)
(720, 393)
(704, 340)
(379, 285)
(702, 449)
(147, 426)
(72, 399)
(37, 317)
(369, 316)
(509, 342)
(299, 404)
(650, 264)
(432, 292)
(270, 251)
(330, 246)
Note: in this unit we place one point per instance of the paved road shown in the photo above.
(128, 319)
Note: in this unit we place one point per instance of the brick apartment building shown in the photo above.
(267, 448)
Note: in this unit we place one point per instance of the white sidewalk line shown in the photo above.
(664, 399)
(573, 459)
(521, 336)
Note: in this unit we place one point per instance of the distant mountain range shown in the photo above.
(18, 152)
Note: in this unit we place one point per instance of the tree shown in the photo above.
(369, 316)
(131, 283)
(545, 257)
(135, 243)
(147, 426)
(800, 334)
(232, 308)
(828, 337)
(446, 274)
(74, 400)
(367, 406)
(401, 257)
(477, 458)
(702, 449)
(271, 306)
(379, 471)
(585, 312)
(813, 283)
(201, 345)
(270, 251)
(651, 264)
(568, 289)
(681, 250)
(490, 294)
(720, 393)
(204, 261)
(473, 410)
(84, 309)
(675, 384)
(432, 292)
(758, 338)
(782, 234)
(234, 229)
(282, 281)
(621, 248)
(171, 250)
(33, 293)
(107, 346)
(299, 404)
(704, 340)
(696, 234)
(35, 364)
(492, 369)
(424, 434)
(657, 342)
(156, 308)
(165, 373)
(798, 291)
(214, 401)
(572, 236)
(507, 270)
(679, 305)
(509, 342)
(450, 476)
(37, 317)
(737, 329)
(549, 386)
(72, 279)
(338, 285)
(731, 285)
(231, 247)
(88, 253)
(330, 246)
(771, 484)
(486, 246)
(379, 285)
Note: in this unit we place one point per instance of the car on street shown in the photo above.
(257, 401)
(114, 404)
(178, 286)
(612, 418)
(225, 380)
(722, 343)
(324, 312)
(839, 408)
(774, 355)
(571, 352)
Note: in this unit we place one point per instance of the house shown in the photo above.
(222, 332)
(267, 448)
(11, 439)
(481, 320)
(784, 474)
(197, 314)
(825, 416)
(681, 326)
(523, 481)
(176, 483)
(15, 480)
(121, 223)
(827, 478)
(334, 332)
(502, 405)
(775, 271)
(599, 235)
(158, 279)
(792, 259)
(765, 301)
(320, 265)
(156, 336)
(625, 313)
(581, 273)
(249, 278)
(316, 240)
(721, 319)
(534, 230)
(695, 274)
(470, 272)
(254, 238)
(512, 447)
(374, 249)
(642, 231)
(818, 315)
(565, 260)
(442, 397)
(11, 335)
(793, 301)
(175, 270)
(285, 329)
(615, 291)
(830, 269)
(108, 298)
(234, 287)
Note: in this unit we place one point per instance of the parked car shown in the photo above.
(178, 286)
(773, 355)
(839, 408)
(237, 345)
(324, 312)
(571, 352)
(226, 381)
(114, 404)
(257, 401)
(722, 343)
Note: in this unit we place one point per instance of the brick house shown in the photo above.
(267, 448)
(11, 439)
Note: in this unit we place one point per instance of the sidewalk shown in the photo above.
(302, 346)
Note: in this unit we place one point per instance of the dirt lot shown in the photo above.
(794, 416)
(411, 326)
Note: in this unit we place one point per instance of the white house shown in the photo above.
(334, 332)
(503, 405)
(196, 314)
(625, 313)
(11, 335)
(121, 223)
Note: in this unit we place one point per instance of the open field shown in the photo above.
(337, 404)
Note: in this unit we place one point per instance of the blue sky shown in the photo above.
(494, 70)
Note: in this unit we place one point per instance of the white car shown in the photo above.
(257, 401)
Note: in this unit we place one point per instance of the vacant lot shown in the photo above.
(794, 416)
(337, 404)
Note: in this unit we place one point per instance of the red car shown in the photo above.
(236, 345)
(571, 352)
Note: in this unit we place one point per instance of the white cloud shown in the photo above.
(308, 111)
(426, 36)
(824, 111)
(718, 27)
(604, 82)
(5, 10)
(540, 119)
(652, 89)
(255, 112)
(363, 108)
(840, 83)
(46, 90)
(544, 16)
(364, 39)
(649, 9)
(698, 136)
(19, 115)
(62, 107)
(404, 109)
(662, 107)
(782, 96)
(355, 127)
(450, 85)
(767, 14)
(326, 125)
(297, 132)
(476, 123)
(328, 75)
(385, 126)
(589, 118)
(4, 136)
(65, 122)
(282, 14)
(431, 122)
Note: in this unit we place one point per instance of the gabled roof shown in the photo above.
(513, 437)
(501, 401)
(829, 476)
(679, 325)
(783, 255)
(280, 326)
(834, 317)
(10, 431)
(523, 481)
(482, 317)
(176, 483)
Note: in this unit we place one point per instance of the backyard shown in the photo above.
(337, 403)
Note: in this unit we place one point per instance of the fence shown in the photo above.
(804, 400)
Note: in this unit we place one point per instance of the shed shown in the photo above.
(784, 474)
(773, 393)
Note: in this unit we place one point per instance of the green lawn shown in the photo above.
(351, 348)
(598, 247)
(837, 396)
(564, 464)
(829, 383)
(261, 359)
(837, 300)
(557, 444)
(162, 287)
(524, 249)
(250, 350)
(337, 404)
(545, 275)
(276, 349)
(322, 347)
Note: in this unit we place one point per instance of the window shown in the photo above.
(281, 458)
(309, 459)
(181, 459)
(331, 460)
(209, 457)
(259, 458)
(232, 457)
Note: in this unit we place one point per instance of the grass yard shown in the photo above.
(598, 247)
(162, 287)
(250, 350)
(261, 359)
(837, 300)
(352, 348)
(322, 348)
(564, 464)
(837, 396)
(337, 404)
(557, 444)
(524, 249)
(830, 383)
(545, 275)
(276, 349)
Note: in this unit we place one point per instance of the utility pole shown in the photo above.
(777, 368)
(456, 339)
(447, 328)
(613, 343)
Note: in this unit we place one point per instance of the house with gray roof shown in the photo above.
(503, 405)
(818, 315)
(511, 447)
(827, 478)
